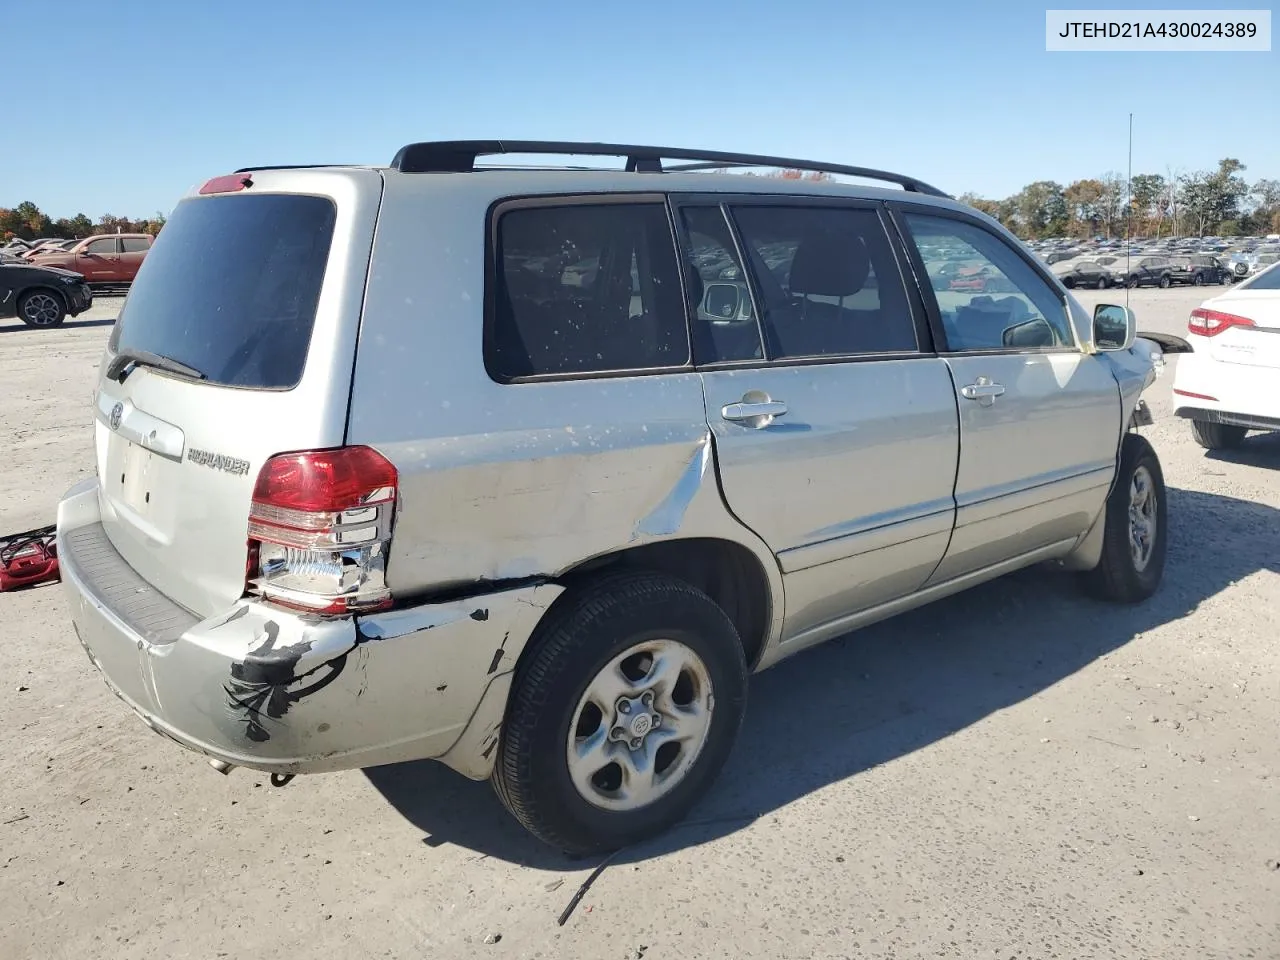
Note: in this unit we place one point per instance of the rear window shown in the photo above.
(230, 288)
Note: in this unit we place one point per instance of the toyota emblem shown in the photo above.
(116, 413)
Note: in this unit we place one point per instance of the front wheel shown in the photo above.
(1134, 539)
(1132, 283)
(1102, 283)
(623, 713)
(1217, 436)
(41, 308)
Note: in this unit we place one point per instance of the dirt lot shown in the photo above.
(1015, 772)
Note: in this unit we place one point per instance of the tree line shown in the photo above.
(27, 221)
(1200, 203)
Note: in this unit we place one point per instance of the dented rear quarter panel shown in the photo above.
(502, 482)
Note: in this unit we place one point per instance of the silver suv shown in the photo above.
(525, 470)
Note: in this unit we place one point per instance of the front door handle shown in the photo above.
(984, 391)
(761, 411)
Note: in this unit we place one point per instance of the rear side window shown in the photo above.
(135, 244)
(585, 288)
(828, 281)
(230, 288)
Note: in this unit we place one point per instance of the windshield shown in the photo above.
(230, 288)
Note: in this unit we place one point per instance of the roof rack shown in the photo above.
(459, 156)
(286, 166)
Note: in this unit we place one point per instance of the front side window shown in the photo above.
(828, 282)
(101, 248)
(585, 288)
(988, 297)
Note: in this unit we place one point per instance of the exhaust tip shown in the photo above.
(222, 766)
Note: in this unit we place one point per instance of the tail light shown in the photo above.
(320, 528)
(1210, 323)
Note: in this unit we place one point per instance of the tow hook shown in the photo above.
(281, 779)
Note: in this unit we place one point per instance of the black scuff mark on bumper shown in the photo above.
(264, 686)
(480, 615)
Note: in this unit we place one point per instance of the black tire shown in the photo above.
(1217, 436)
(1102, 283)
(1069, 282)
(1165, 282)
(1118, 577)
(1132, 283)
(578, 639)
(42, 307)
(1199, 280)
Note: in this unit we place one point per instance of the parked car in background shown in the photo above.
(1083, 273)
(1160, 272)
(1208, 269)
(42, 296)
(421, 462)
(110, 260)
(1230, 382)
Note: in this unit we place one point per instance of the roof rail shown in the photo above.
(459, 156)
(288, 166)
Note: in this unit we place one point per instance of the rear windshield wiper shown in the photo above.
(126, 360)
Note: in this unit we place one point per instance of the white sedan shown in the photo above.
(1230, 383)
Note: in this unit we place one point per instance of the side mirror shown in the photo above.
(722, 302)
(1114, 327)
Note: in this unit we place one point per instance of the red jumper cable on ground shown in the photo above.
(28, 558)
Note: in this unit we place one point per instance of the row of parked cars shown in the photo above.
(1154, 271)
(42, 282)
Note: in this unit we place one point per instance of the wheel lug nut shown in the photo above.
(624, 707)
(657, 721)
(637, 743)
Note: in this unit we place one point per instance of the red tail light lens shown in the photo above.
(1210, 323)
(320, 528)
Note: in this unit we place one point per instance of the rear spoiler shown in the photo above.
(1168, 342)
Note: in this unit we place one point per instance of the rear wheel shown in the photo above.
(1217, 436)
(42, 308)
(1199, 280)
(1132, 283)
(1133, 548)
(623, 713)
(1165, 282)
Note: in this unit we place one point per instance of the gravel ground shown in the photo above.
(1014, 772)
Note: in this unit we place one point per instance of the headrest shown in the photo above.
(830, 265)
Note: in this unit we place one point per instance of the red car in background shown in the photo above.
(972, 279)
(109, 260)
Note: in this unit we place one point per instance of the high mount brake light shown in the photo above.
(230, 183)
(320, 528)
(1210, 323)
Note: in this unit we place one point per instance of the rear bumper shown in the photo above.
(280, 691)
(1205, 389)
(1228, 417)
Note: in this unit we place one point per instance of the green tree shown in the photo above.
(1042, 209)
(1083, 198)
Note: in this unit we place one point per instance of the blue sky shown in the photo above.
(162, 94)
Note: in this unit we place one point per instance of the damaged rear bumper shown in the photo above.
(286, 692)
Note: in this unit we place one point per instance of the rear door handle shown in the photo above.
(984, 391)
(753, 410)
